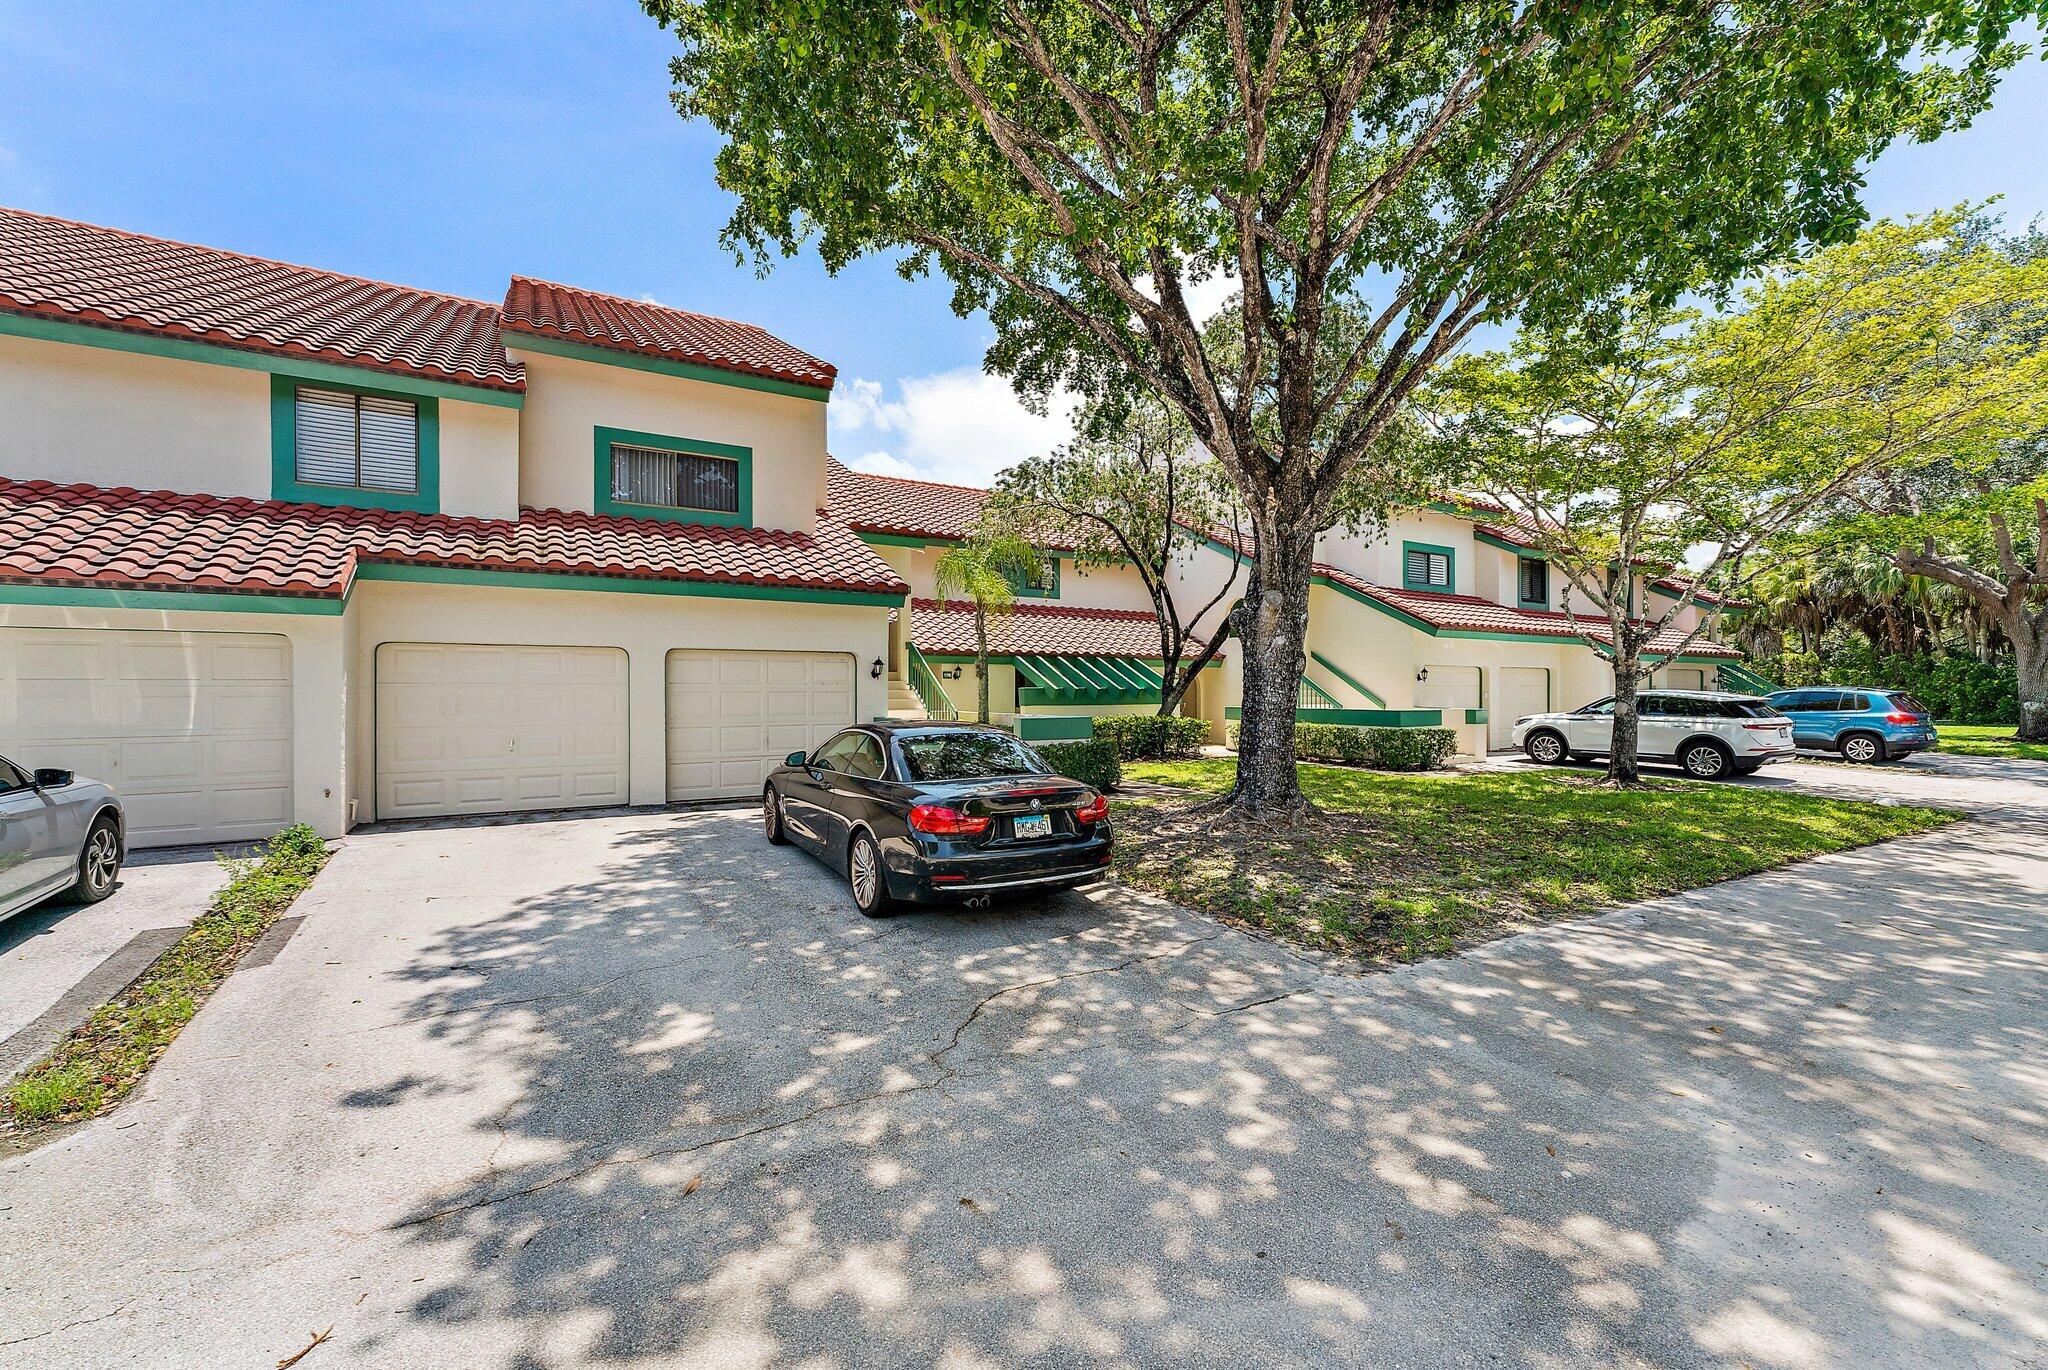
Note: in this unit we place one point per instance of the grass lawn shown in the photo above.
(91, 1070)
(1403, 866)
(1975, 739)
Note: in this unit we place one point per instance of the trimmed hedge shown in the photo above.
(1092, 763)
(1379, 749)
(1149, 737)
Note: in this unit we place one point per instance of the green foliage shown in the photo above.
(1092, 763)
(1960, 689)
(1379, 749)
(1152, 737)
(985, 571)
(96, 1066)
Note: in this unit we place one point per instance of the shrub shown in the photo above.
(1379, 749)
(1092, 763)
(1150, 737)
(1958, 688)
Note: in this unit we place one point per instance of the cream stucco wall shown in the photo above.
(92, 415)
(76, 414)
(646, 626)
(568, 399)
(319, 688)
(1375, 555)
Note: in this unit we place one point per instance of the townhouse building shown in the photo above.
(279, 544)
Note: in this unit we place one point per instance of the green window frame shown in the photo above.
(1409, 581)
(1522, 595)
(602, 500)
(1049, 590)
(284, 451)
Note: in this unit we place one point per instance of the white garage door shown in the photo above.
(733, 716)
(1685, 678)
(463, 728)
(193, 730)
(1522, 690)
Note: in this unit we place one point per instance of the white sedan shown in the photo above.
(1709, 735)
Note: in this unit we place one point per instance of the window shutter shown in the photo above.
(1418, 566)
(389, 444)
(327, 437)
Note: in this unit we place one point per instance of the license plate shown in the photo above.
(1032, 825)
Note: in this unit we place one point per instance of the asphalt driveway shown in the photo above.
(637, 1089)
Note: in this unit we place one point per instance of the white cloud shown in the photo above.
(960, 426)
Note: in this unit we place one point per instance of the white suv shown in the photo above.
(1710, 735)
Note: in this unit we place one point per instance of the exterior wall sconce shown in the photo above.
(1422, 674)
(875, 671)
(953, 674)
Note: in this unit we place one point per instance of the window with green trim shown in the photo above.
(1427, 567)
(1533, 582)
(353, 445)
(1044, 583)
(683, 480)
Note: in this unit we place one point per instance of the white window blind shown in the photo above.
(675, 480)
(1431, 569)
(364, 442)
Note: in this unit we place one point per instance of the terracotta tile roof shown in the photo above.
(902, 507)
(83, 535)
(86, 274)
(1466, 613)
(1036, 630)
(548, 310)
(1678, 585)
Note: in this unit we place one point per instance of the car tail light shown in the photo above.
(1777, 727)
(1093, 811)
(942, 820)
(1896, 717)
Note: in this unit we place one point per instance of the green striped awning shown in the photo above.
(1090, 679)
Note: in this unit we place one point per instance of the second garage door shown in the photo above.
(465, 728)
(733, 716)
(1523, 690)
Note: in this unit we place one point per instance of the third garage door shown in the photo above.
(469, 728)
(733, 716)
(1522, 690)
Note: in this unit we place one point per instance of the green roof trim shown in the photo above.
(246, 359)
(625, 585)
(193, 601)
(660, 366)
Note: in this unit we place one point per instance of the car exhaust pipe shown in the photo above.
(977, 901)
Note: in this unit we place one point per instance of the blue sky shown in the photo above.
(449, 145)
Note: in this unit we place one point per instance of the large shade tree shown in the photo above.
(1075, 166)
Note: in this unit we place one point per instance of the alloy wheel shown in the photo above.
(865, 873)
(1547, 750)
(102, 858)
(1860, 749)
(1704, 762)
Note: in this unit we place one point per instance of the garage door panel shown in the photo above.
(1522, 690)
(463, 728)
(193, 730)
(733, 716)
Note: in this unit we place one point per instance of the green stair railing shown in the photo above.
(1742, 678)
(930, 692)
(1309, 695)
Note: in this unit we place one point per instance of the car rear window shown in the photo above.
(1909, 704)
(1748, 708)
(967, 756)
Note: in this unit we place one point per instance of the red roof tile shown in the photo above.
(158, 540)
(107, 277)
(1468, 614)
(1035, 630)
(563, 311)
(901, 507)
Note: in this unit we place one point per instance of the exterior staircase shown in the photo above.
(903, 701)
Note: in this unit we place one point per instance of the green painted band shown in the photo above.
(660, 366)
(245, 359)
(1361, 718)
(194, 601)
(556, 580)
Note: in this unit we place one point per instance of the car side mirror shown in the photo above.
(50, 778)
(796, 759)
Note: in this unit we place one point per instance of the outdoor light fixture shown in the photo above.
(1422, 674)
(875, 670)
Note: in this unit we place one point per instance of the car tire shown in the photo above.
(866, 878)
(771, 818)
(1545, 748)
(99, 863)
(1706, 760)
(1865, 749)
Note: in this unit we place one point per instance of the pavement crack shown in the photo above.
(79, 1322)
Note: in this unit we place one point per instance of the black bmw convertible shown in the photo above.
(931, 812)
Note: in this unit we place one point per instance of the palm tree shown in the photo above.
(986, 572)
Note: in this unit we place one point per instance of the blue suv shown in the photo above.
(1863, 725)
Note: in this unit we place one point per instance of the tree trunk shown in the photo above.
(981, 660)
(2030, 650)
(1621, 756)
(1273, 636)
